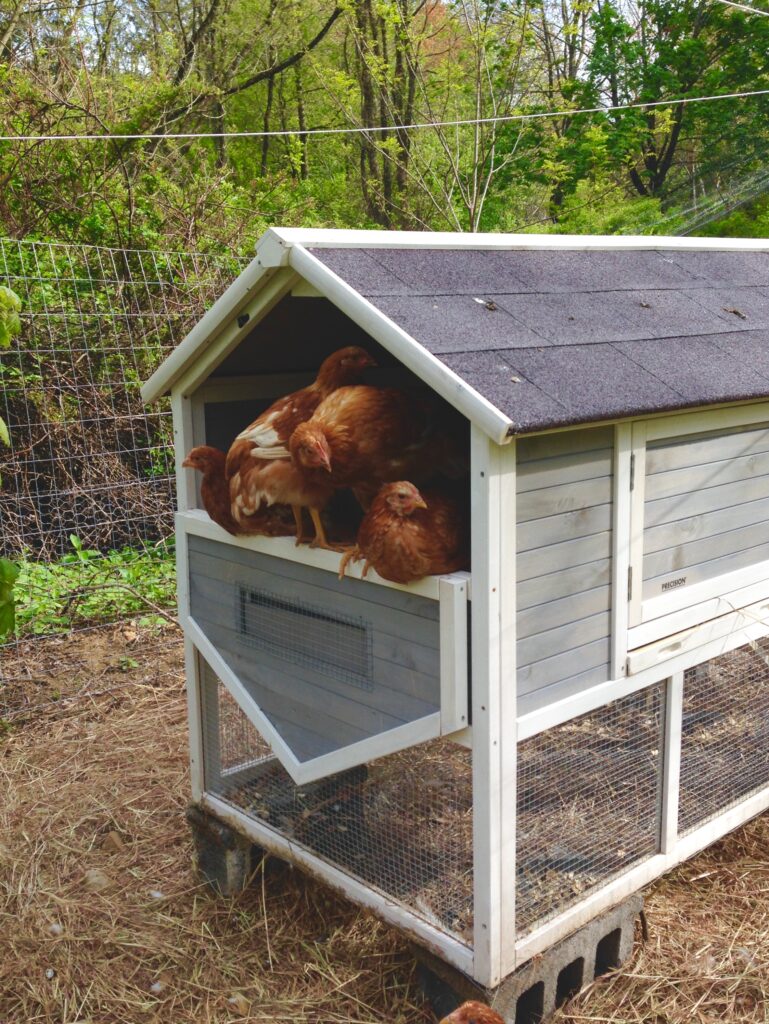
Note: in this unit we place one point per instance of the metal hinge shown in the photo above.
(629, 582)
(632, 471)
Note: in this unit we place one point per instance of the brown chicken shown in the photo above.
(473, 1012)
(275, 521)
(361, 437)
(406, 537)
(257, 463)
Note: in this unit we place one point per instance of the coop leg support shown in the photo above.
(225, 858)
(538, 988)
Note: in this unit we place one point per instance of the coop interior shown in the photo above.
(289, 344)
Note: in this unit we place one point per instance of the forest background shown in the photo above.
(116, 245)
(166, 67)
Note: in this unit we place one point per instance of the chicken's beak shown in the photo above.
(187, 464)
(325, 459)
(420, 502)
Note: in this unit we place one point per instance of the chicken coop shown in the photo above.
(489, 759)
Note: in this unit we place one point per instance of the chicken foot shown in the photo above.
(353, 555)
(321, 540)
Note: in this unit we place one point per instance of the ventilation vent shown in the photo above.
(295, 631)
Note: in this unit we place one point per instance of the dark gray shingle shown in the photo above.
(579, 336)
(455, 323)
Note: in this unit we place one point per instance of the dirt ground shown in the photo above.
(102, 919)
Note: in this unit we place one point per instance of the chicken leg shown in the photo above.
(297, 510)
(321, 540)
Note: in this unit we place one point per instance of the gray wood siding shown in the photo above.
(564, 524)
(315, 707)
(706, 508)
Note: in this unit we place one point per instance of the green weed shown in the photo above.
(88, 586)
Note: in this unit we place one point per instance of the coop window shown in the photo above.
(304, 634)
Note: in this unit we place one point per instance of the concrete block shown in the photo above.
(224, 857)
(534, 992)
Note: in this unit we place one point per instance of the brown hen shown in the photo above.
(257, 462)
(215, 492)
(406, 537)
(473, 1012)
(362, 437)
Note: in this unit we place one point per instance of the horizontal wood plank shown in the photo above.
(686, 557)
(551, 501)
(540, 533)
(709, 524)
(541, 590)
(662, 456)
(570, 637)
(565, 469)
(708, 570)
(391, 597)
(548, 446)
(694, 478)
(562, 610)
(567, 555)
(699, 502)
(592, 656)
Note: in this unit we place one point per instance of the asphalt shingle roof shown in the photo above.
(556, 337)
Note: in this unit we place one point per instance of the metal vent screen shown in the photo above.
(304, 634)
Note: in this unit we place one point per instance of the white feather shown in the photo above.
(262, 434)
(270, 453)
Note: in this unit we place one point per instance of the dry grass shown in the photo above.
(102, 920)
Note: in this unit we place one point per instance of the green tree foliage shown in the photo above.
(216, 66)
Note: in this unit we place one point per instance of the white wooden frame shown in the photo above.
(659, 617)
(673, 848)
(494, 742)
(421, 930)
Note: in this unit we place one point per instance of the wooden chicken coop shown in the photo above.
(490, 759)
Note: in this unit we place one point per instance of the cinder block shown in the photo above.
(224, 857)
(536, 990)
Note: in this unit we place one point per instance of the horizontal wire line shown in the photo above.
(417, 125)
(744, 7)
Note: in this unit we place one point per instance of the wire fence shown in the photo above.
(87, 460)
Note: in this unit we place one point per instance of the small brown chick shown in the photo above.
(473, 1012)
(406, 537)
(275, 521)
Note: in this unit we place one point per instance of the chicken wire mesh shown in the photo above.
(724, 733)
(401, 824)
(86, 457)
(588, 803)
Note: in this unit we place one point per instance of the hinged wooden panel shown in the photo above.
(332, 672)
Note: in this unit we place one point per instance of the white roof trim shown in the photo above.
(277, 239)
(279, 246)
(226, 307)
